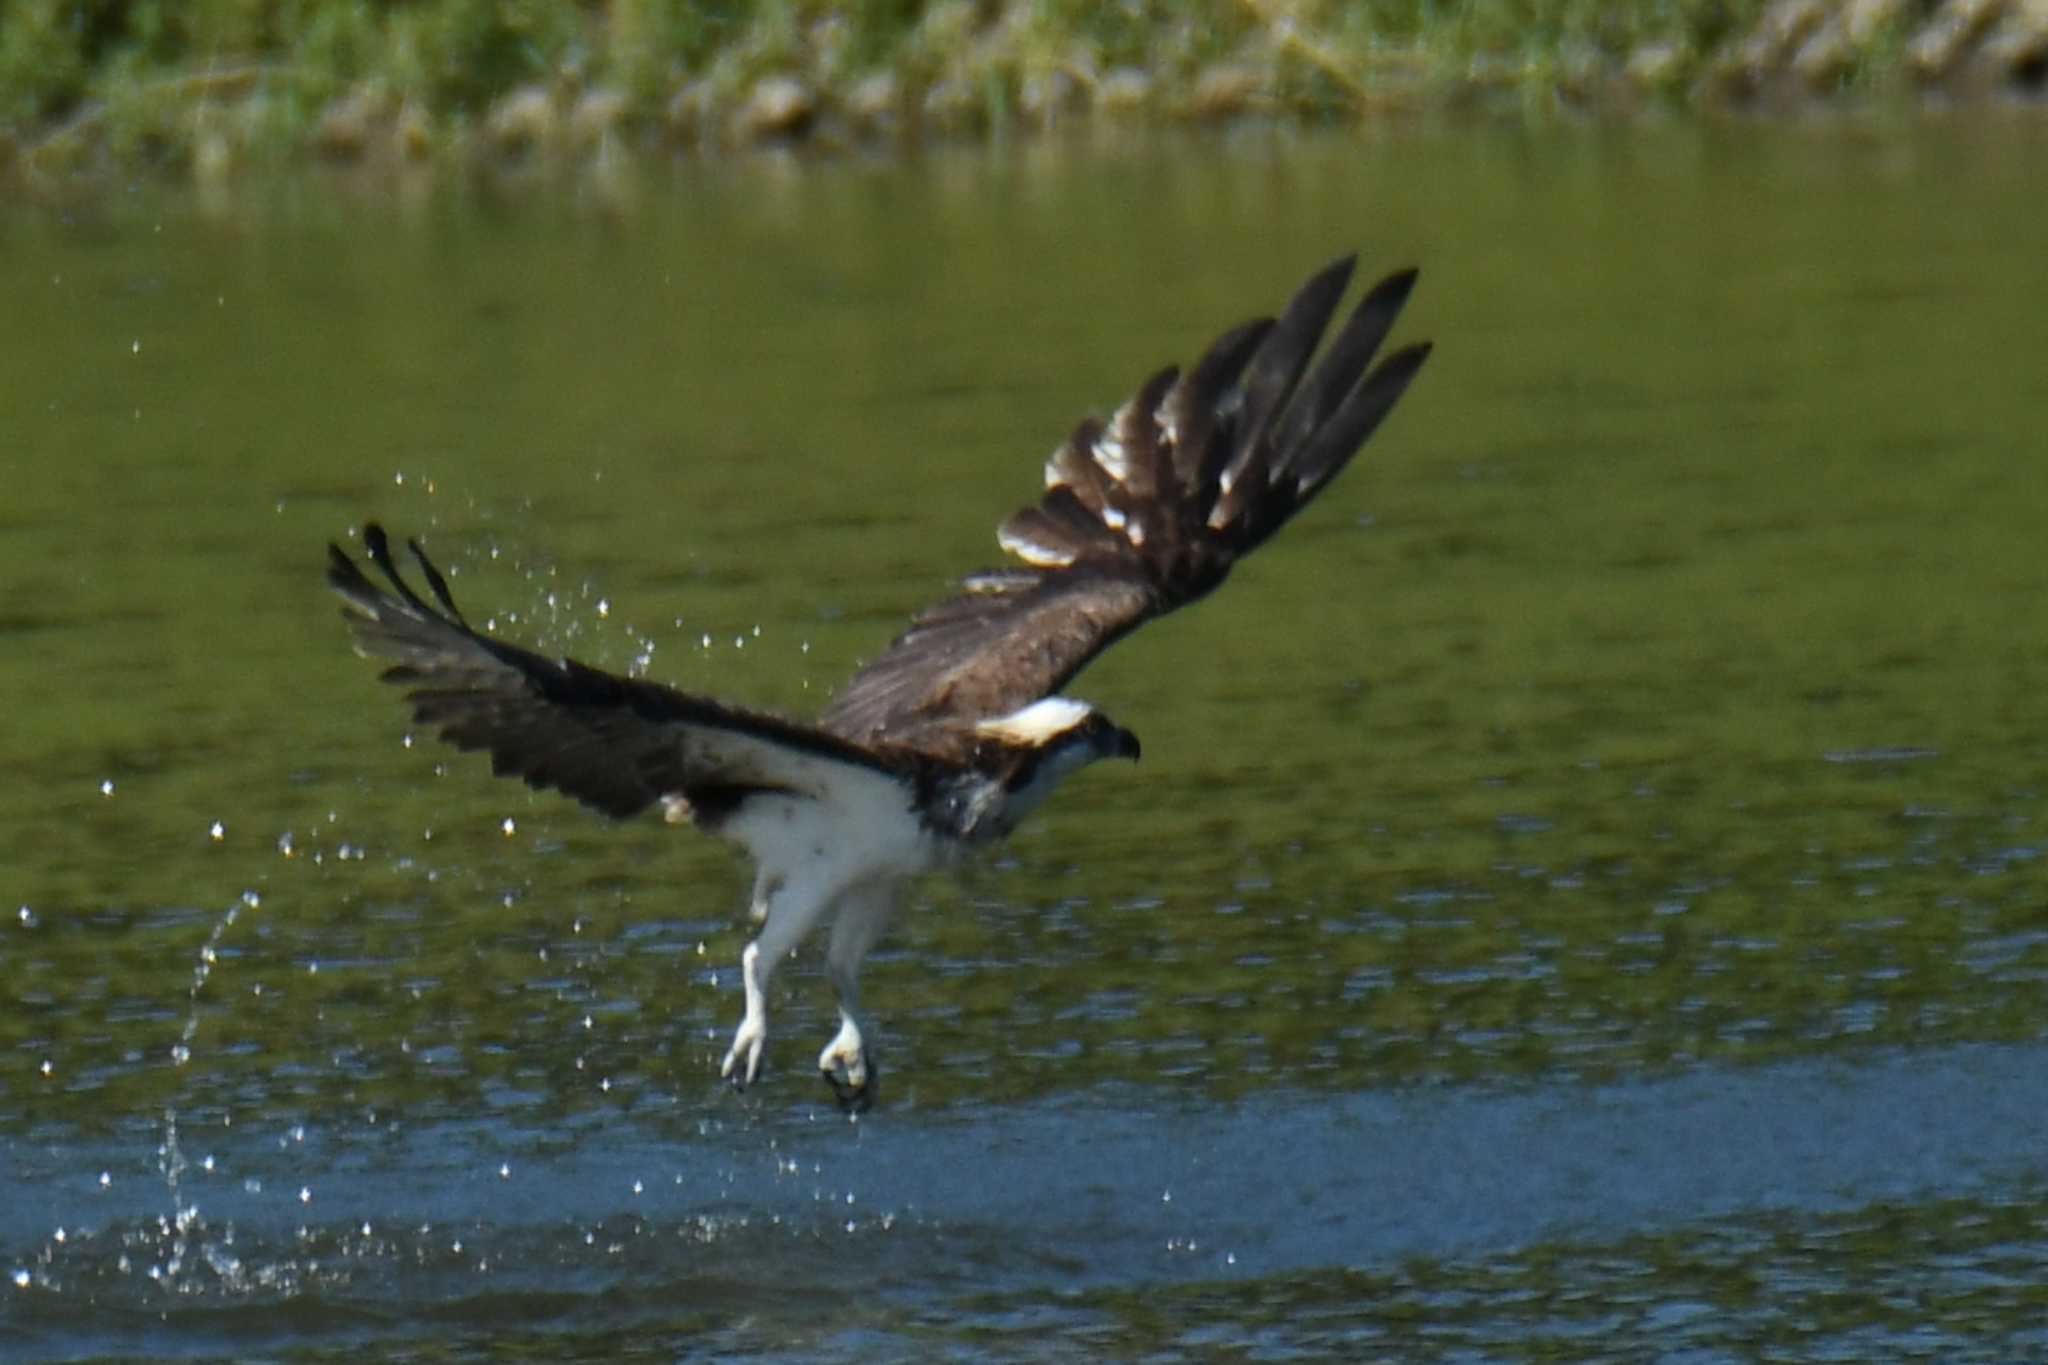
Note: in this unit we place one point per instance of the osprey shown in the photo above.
(958, 729)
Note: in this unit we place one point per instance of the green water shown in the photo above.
(1661, 691)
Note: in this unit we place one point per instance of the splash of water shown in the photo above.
(184, 1221)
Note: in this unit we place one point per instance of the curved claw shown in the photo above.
(854, 1097)
(747, 1042)
(849, 1068)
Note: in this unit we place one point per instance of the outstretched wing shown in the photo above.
(1146, 512)
(618, 744)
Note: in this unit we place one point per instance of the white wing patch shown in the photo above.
(1032, 551)
(1109, 453)
(739, 758)
(998, 581)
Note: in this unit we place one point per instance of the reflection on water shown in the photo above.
(1583, 886)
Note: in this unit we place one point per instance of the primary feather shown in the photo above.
(1146, 512)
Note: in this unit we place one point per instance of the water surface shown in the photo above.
(1583, 891)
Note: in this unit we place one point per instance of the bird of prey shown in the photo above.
(959, 728)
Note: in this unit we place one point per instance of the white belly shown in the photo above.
(831, 845)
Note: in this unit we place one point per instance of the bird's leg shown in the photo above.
(743, 1058)
(788, 917)
(847, 1063)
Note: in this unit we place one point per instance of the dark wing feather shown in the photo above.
(618, 744)
(1145, 512)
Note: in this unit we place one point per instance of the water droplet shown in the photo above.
(305, 1194)
(49, 1068)
(509, 827)
(28, 917)
(107, 786)
(106, 1180)
(604, 606)
(21, 1279)
(505, 1171)
(251, 899)
(218, 830)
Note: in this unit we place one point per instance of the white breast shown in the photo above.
(834, 841)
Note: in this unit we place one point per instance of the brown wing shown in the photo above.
(1146, 512)
(618, 744)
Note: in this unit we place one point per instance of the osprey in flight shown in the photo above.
(958, 729)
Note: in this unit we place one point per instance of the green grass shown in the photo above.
(211, 85)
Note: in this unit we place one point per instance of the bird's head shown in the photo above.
(1112, 740)
(1048, 741)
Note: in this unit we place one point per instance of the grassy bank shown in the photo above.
(211, 85)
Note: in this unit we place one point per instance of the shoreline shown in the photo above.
(459, 85)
